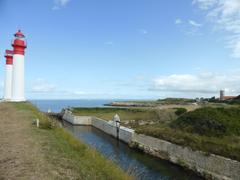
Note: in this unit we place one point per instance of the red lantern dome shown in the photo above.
(19, 45)
(19, 34)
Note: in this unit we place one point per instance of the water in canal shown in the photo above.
(141, 165)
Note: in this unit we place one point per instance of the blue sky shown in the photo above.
(127, 49)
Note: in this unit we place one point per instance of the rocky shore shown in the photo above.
(129, 104)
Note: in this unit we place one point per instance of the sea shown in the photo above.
(57, 105)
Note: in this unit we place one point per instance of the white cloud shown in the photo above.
(194, 23)
(225, 15)
(42, 86)
(143, 31)
(205, 4)
(58, 4)
(189, 27)
(203, 83)
(178, 21)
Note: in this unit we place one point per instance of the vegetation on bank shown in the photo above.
(176, 101)
(212, 130)
(153, 103)
(67, 153)
(124, 113)
(210, 121)
(180, 111)
(129, 114)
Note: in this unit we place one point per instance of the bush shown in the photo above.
(180, 111)
(210, 121)
(176, 101)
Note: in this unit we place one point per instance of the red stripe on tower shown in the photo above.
(9, 57)
(19, 44)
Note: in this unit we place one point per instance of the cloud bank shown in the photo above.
(42, 86)
(203, 83)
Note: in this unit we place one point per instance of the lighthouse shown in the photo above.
(19, 46)
(8, 75)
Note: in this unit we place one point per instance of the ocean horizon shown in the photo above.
(56, 105)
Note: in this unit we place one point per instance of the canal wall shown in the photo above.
(124, 134)
(208, 165)
(76, 120)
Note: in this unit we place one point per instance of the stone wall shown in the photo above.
(208, 165)
(77, 120)
(68, 116)
(104, 126)
(125, 134)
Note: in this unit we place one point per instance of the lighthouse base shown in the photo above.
(18, 100)
(7, 99)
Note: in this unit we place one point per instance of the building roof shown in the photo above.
(229, 97)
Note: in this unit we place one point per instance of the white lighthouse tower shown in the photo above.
(19, 45)
(8, 75)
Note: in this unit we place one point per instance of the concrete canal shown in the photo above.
(141, 165)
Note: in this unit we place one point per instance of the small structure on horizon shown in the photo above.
(223, 97)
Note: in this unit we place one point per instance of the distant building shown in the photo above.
(223, 97)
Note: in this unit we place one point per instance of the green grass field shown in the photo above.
(128, 114)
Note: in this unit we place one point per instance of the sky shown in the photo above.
(125, 49)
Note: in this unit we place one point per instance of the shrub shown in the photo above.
(210, 121)
(180, 111)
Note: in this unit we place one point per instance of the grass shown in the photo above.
(175, 101)
(128, 114)
(228, 146)
(180, 111)
(124, 113)
(210, 121)
(67, 154)
(212, 130)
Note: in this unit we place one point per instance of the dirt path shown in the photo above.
(20, 156)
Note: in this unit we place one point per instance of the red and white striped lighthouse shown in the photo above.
(19, 46)
(8, 75)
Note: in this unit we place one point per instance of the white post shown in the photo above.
(116, 121)
(37, 122)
